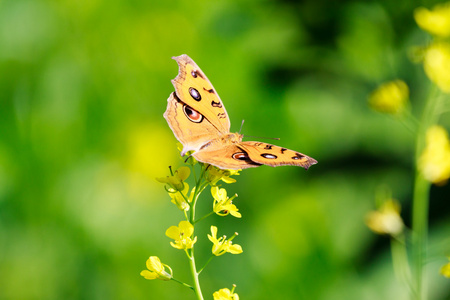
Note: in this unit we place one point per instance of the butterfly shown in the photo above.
(200, 122)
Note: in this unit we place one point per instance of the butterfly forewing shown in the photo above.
(191, 129)
(193, 88)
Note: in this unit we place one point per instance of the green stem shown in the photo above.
(182, 283)
(400, 260)
(409, 121)
(209, 260)
(197, 289)
(192, 265)
(420, 232)
(202, 218)
(193, 172)
(421, 198)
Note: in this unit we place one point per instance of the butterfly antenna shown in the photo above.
(185, 161)
(262, 137)
(242, 124)
(258, 137)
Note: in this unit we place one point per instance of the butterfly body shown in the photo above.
(200, 122)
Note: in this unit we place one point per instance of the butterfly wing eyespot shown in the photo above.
(192, 114)
(240, 156)
(269, 156)
(195, 94)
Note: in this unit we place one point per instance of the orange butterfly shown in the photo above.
(200, 122)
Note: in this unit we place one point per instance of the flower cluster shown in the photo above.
(436, 56)
(432, 149)
(183, 236)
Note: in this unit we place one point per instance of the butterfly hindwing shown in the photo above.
(229, 157)
(274, 156)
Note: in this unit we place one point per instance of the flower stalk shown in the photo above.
(432, 146)
(183, 235)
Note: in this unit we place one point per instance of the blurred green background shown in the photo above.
(83, 86)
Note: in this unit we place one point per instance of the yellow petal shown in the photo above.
(223, 294)
(235, 249)
(177, 244)
(435, 21)
(173, 232)
(154, 264)
(183, 173)
(149, 275)
(163, 179)
(435, 159)
(235, 213)
(222, 195)
(445, 270)
(186, 228)
(390, 97)
(214, 231)
(437, 64)
(214, 191)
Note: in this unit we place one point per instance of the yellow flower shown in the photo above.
(222, 204)
(156, 269)
(386, 220)
(226, 294)
(176, 181)
(435, 21)
(181, 198)
(434, 163)
(390, 97)
(213, 175)
(222, 245)
(182, 235)
(445, 270)
(436, 62)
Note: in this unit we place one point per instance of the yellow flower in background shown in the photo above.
(182, 235)
(445, 270)
(176, 181)
(435, 21)
(434, 163)
(390, 97)
(214, 174)
(156, 269)
(386, 220)
(226, 294)
(222, 245)
(181, 198)
(222, 204)
(436, 62)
